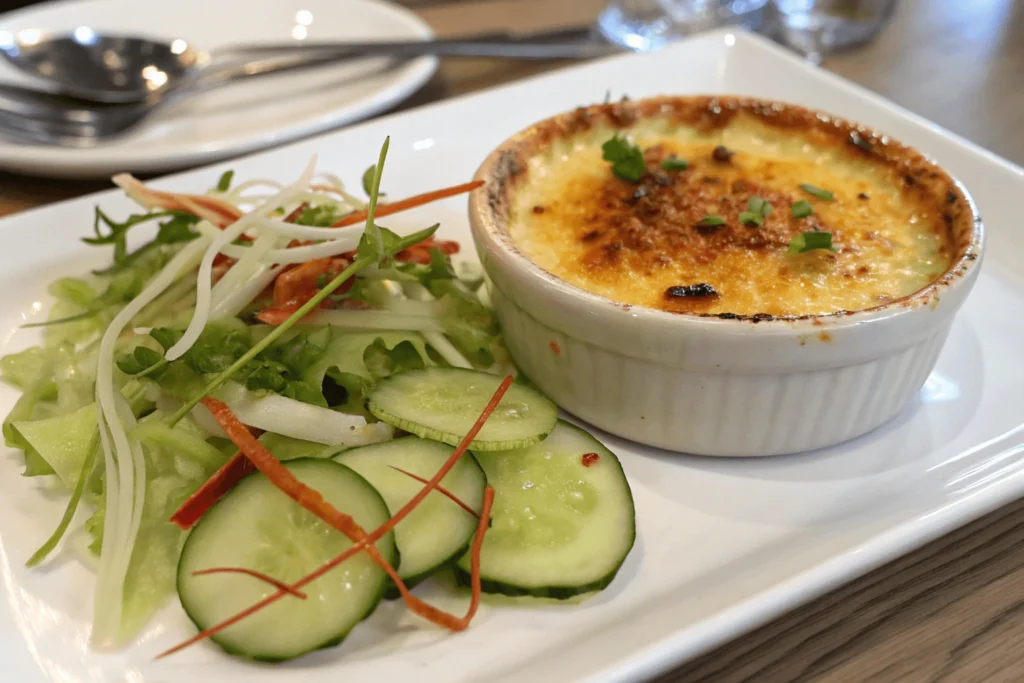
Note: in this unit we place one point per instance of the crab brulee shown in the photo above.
(730, 208)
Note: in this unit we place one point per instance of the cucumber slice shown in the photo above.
(438, 531)
(558, 527)
(257, 527)
(443, 403)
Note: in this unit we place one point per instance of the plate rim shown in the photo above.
(72, 163)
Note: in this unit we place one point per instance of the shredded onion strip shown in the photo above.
(228, 235)
(124, 461)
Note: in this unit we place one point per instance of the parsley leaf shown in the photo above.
(166, 337)
(139, 360)
(627, 160)
(809, 241)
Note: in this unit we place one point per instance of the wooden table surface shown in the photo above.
(954, 610)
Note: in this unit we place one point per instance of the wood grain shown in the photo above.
(953, 611)
(949, 612)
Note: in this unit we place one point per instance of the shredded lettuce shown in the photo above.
(31, 405)
(165, 336)
(350, 377)
(23, 368)
(62, 441)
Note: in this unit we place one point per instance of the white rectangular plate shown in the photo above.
(722, 546)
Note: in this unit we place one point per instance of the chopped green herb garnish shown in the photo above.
(626, 158)
(224, 184)
(809, 241)
(818, 192)
(711, 220)
(757, 210)
(751, 218)
(801, 209)
(675, 164)
(759, 206)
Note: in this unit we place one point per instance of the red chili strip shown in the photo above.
(440, 489)
(222, 481)
(276, 583)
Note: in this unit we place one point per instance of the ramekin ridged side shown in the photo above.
(710, 412)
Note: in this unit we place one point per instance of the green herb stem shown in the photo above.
(69, 319)
(69, 512)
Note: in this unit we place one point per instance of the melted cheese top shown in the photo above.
(634, 242)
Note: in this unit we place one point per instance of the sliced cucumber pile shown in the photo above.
(563, 519)
(562, 522)
(438, 531)
(257, 527)
(443, 403)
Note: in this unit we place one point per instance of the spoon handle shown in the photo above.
(564, 41)
(278, 59)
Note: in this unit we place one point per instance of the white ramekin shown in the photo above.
(705, 385)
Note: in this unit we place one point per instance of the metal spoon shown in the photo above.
(120, 69)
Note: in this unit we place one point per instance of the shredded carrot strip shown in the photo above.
(226, 418)
(216, 210)
(276, 583)
(440, 489)
(409, 203)
(278, 474)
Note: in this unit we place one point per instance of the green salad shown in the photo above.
(279, 412)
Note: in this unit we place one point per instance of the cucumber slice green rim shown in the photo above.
(438, 531)
(442, 404)
(563, 520)
(258, 527)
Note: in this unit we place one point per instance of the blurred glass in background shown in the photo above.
(649, 24)
(813, 27)
(820, 27)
